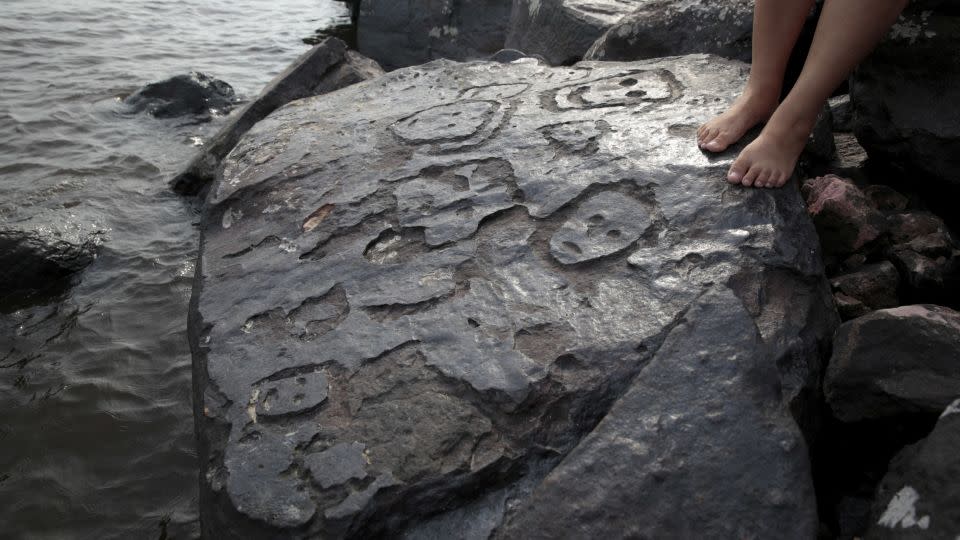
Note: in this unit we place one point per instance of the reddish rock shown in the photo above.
(872, 287)
(845, 218)
(893, 362)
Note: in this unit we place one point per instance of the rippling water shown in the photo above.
(96, 433)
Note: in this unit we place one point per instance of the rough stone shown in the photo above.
(324, 68)
(903, 96)
(43, 250)
(842, 113)
(845, 219)
(920, 496)
(398, 34)
(195, 94)
(895, 362)
(656, 28)
(872, 287)
(886, 199)
(927, 256)
(849, 152)
(512, 278)
(561, 31)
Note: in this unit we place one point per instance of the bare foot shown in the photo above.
(751, 108)
(768, 161)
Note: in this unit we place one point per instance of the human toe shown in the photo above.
(736, 173)
(750, 177)
(763, 178)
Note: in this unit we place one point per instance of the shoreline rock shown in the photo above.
(668, 27)
(495, 279)
(326, 67)
(399, 34)
(562, 30)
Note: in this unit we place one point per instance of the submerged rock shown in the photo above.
(398, 34)
(920, 496)
(670, 27)
(561, 31)
(507, 300)
(38, 253)
(194, 94)
(895, 362)
(903, 96)
(324, 68)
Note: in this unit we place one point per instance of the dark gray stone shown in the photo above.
(895, 362)
(920, 497)
(656, 28)
(398, 34)
(40, 251)
(903, 96)
(871, 287)
(561, 31)
(195, 94)
(842, 113)
(510, 276)
(324, 68)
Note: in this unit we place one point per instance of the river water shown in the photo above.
(96, 429)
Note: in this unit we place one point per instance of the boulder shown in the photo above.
(398, 34)
(658, 28)
(563, 30)
(903, 95)
(195, 94)
(40, 252)
(895, 362)
(479, 299)
(927, 256)
(324, 68)
(920, 497)
(872, 287)
(845, 218)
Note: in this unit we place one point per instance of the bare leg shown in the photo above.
(776, 26)
(847, 31)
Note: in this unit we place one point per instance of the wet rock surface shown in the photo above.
(441, 299)
(42, 251)
(920, 497)
(195, 94)
(562, 31)
(399, 34)
(324, 68)
(895, 362)
(670, 27)
(902, 112)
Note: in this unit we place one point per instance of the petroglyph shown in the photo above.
(419, 292)
(630, 88)
(603, 225)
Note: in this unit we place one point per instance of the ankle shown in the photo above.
(762, 94)
(787, 125)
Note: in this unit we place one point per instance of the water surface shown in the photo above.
(96, 434)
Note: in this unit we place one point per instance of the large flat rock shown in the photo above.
(505, 300)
